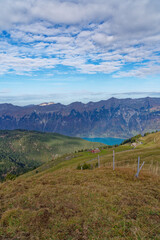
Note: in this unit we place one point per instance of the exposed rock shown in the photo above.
(110, 118)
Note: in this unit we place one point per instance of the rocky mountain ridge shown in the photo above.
(107, 118)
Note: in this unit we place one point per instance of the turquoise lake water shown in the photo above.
(108, 141)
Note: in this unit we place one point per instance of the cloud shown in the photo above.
(108, 36)
(69, 97)
(4, 91)
(148, 70)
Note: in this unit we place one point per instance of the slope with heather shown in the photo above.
(61, 202)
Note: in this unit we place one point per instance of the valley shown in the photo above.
(22, 151)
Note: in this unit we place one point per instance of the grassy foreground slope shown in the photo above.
(63, 203)
(22, 150)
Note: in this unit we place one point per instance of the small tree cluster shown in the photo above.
(10, 176)
(84, 166)
(131, 140)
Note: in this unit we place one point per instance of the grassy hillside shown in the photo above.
(21, 151)
(61, 202)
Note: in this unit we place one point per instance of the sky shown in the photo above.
(66, 51)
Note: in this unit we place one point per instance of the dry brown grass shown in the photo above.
(72, 204)
(62, 203)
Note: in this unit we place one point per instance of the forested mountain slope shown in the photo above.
(21, 151)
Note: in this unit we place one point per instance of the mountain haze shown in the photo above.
(108, 118)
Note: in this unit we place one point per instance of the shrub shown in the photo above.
(147, 133)
(10, 176)
(79, 167)
(84, 166)
(131, 140)
(96, 165)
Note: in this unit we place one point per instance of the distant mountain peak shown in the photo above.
(46, 104)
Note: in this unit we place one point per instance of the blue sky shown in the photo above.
(65, 51)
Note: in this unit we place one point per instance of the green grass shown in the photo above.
(57, 201)
(21, 151)
(72, 204)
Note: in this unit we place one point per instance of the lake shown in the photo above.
(108, 141)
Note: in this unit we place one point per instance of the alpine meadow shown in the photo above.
(79, 120)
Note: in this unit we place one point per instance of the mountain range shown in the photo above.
(108, 118)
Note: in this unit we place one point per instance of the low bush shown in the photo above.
(84, 166)
(131, 140)
(10, 176)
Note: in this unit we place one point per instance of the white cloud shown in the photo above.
(102, 39)
(69, 97)
(21, 65)
(4, 91)
(148, 70)
(90, 36)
